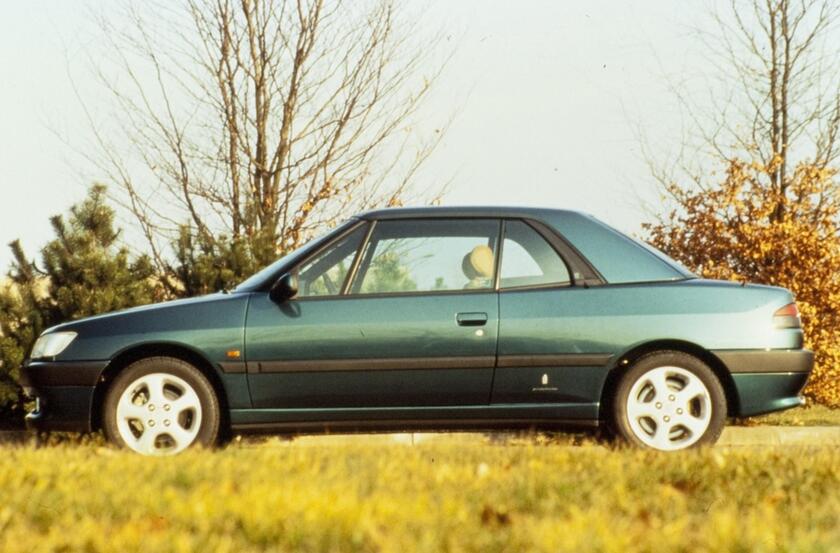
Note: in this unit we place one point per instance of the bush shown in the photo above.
(745, 230)
(83, 272)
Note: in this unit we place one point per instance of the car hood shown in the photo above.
(151, 311)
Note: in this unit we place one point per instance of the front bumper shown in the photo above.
(63, 392)
(767, 380)
(62, 408)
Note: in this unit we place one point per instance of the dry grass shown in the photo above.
(450, 495)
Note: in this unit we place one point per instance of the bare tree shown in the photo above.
(261, 118)
(777, 94)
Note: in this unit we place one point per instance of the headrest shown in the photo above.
(478, 263)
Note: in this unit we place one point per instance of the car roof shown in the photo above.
(616, 256)
(460, 211)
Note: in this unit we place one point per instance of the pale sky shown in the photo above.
(550, 97)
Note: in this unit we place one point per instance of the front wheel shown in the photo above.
(161, 406)
(668, 401)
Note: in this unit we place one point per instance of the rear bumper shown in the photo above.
(63, 392)
(767, 380)
(767, 361)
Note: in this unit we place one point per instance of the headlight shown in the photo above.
(50, 345)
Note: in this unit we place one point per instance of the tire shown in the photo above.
(669, 400)
(161, 406)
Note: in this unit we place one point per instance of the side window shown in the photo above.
(528, 260)
(429, 255)
(324, 274)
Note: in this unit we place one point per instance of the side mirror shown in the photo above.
(284, 289)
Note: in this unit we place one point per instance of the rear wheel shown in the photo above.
(161, 406)
(668, 401)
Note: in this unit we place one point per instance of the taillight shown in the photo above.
(787, 317)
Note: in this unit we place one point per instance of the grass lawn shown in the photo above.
(809, 415)
(450, 495)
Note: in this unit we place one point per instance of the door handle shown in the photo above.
(471, 319)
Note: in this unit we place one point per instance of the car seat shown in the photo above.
(478, 267)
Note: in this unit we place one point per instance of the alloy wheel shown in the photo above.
(669, 408)
(158, 414)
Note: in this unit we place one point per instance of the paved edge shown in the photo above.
(733, 436)
(780, 435)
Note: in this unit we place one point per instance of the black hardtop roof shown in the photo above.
(461, 211)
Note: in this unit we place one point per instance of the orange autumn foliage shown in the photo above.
(745, 230)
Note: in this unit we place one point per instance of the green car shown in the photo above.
(438, 318)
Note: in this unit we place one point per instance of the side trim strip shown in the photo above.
(383, 364)
(404, 425)
(767, 361)
(438, 416)
(233, 367)
(561, 360)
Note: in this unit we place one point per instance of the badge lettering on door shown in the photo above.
(544, 387)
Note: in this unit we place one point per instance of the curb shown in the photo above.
(733, 436)
(780, 435)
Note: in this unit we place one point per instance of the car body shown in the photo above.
(388, 335)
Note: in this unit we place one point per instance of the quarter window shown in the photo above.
(528, 260)
(429, 255)
(324, 274)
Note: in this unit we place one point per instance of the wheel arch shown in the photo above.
(626, 359)
(157, 349)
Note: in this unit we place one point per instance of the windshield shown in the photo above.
(259, 279)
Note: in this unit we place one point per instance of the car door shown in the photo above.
(547, 351)
(394, 313)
